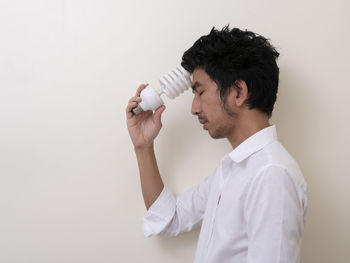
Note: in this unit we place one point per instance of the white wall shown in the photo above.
(69, 186)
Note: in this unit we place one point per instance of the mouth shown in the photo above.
(203, 121)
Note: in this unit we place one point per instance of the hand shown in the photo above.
(144, 127)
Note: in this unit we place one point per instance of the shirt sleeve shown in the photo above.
(170, 215)
(275, 217)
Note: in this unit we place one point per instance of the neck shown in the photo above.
(248, 123)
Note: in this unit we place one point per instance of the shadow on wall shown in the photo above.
(300, 115)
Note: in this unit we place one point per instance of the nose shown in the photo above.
(196, 105)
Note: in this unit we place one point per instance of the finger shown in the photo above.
(140, 88)
(129, 108)
(158, 114)
(136, 99)
(131, 105)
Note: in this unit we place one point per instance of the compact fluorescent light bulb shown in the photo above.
(172, 84)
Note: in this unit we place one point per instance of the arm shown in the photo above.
(143, 129)
(167, 215)
(170, 215)
(151, 182)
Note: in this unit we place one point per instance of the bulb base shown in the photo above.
(137, 110)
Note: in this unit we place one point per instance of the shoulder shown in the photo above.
(273, 161)
(274, 167)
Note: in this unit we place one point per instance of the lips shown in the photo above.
(202, 120)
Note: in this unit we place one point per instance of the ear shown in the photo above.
(241, 94)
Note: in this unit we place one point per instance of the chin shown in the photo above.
(215, 135)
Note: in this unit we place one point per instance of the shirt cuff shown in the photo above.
(159, 214)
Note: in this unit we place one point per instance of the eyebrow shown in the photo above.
(196, 85)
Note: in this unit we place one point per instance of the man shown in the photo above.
(253, 208)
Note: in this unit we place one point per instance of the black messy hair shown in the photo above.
(228, 55)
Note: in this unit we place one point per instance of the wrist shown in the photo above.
(145, 147)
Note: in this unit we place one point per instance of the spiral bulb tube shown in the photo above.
(175, 82)
(172, 84)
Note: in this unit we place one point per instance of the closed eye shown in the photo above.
(200, 93)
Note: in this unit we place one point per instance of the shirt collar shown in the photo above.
(254, 143)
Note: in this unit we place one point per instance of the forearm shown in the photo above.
(151, 182)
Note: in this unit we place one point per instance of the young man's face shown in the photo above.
(208, 106)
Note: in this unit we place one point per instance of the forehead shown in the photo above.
(201, 79)
(201, 76)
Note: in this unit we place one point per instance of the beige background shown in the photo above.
(69, 186)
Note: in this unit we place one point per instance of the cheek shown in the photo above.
(214, 114)
(211, 105)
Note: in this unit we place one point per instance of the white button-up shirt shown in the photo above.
(252, 209)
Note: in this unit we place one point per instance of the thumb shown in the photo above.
(158, 114)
